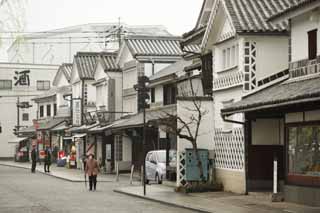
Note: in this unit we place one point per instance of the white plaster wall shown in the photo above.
(219, 97)
(61, 80)
(125, 56)
(206, 126)
(299, 32)
(76, 90)
(8, 110)
(91, 91)
(157, 67)
(118, 92)
(130, 78)
(158, 93)
(130, 104)
(267, 132)
(272, 54)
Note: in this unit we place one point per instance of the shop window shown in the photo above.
(304, 152)
(118, 148)
(312, 44)
(41, 111)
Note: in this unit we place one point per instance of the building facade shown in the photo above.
(20, 83)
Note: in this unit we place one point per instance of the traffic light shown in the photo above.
(15, 132)
(143, 92)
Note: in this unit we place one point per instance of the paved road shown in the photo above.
(21, 191)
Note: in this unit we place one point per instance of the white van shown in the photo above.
(156, 166)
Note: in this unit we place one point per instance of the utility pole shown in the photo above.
(18, 114)
(143, 98)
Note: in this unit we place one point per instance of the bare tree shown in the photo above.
(187, 127)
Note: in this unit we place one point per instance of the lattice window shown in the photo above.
(229, 149)
(250, 68)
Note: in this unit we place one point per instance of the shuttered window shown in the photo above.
(312, 44)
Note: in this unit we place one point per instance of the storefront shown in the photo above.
(287, 117)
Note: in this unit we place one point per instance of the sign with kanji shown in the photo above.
(22, 78)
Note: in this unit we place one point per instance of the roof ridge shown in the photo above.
(155, 37)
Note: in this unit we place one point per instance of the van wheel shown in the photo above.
(158, 181)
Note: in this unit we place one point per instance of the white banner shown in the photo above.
(76, 112)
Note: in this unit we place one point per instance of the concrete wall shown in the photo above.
(8, 109)
(299, 32)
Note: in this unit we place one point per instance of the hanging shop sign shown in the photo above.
(76, 112)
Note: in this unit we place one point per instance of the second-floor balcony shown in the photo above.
(227, 79)
(304, 67)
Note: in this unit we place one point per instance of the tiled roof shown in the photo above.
(171, 69)
(156, 46)
(284, 93)
(66, 69)
(86, 63)
(108, 62)
(49, 124)
(252, 15)
(292, 5)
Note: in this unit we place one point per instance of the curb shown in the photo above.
(55, 176)
(163, 202)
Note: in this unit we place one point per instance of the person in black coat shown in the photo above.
(33, 159)
(47, 160)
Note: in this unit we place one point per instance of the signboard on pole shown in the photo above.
(76, 112)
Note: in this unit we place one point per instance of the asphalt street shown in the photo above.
(22, 191)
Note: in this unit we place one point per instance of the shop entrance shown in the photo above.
(266, 144)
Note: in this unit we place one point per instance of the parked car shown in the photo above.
(156, 165)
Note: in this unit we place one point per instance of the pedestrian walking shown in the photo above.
(47, 160)
(92, 169)
(33, 159)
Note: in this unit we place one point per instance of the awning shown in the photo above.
(82, 129)
(136, 120)
(49, 124)
(27, 130)
(79, 135)
(99, 129)
(61, 127)
(283, 94)
(17, 140)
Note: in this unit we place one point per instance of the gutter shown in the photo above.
(231, 121)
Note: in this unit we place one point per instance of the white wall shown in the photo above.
(130, 104)
(157, 67)
(158, 94)
(299, 34)
(130, 78)
(219, 98)
(268, 132)
(206, 126)
(8, 110)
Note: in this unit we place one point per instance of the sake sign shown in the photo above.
(76, 112)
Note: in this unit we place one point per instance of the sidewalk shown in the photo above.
(73, 175)
(215, 202)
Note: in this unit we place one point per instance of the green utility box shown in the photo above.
(192, 170)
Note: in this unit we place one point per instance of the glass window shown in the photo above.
(54, 109)
(41, 111)
(6, 84)
(48, 110)
(304, 150)
(43, 85)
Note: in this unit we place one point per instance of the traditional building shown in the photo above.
(282, 121)
(19, 84)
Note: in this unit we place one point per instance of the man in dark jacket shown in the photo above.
(33, 159)
(47, 160)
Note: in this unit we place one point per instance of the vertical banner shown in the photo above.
(76, 112)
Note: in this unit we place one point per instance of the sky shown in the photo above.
(178, 16)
